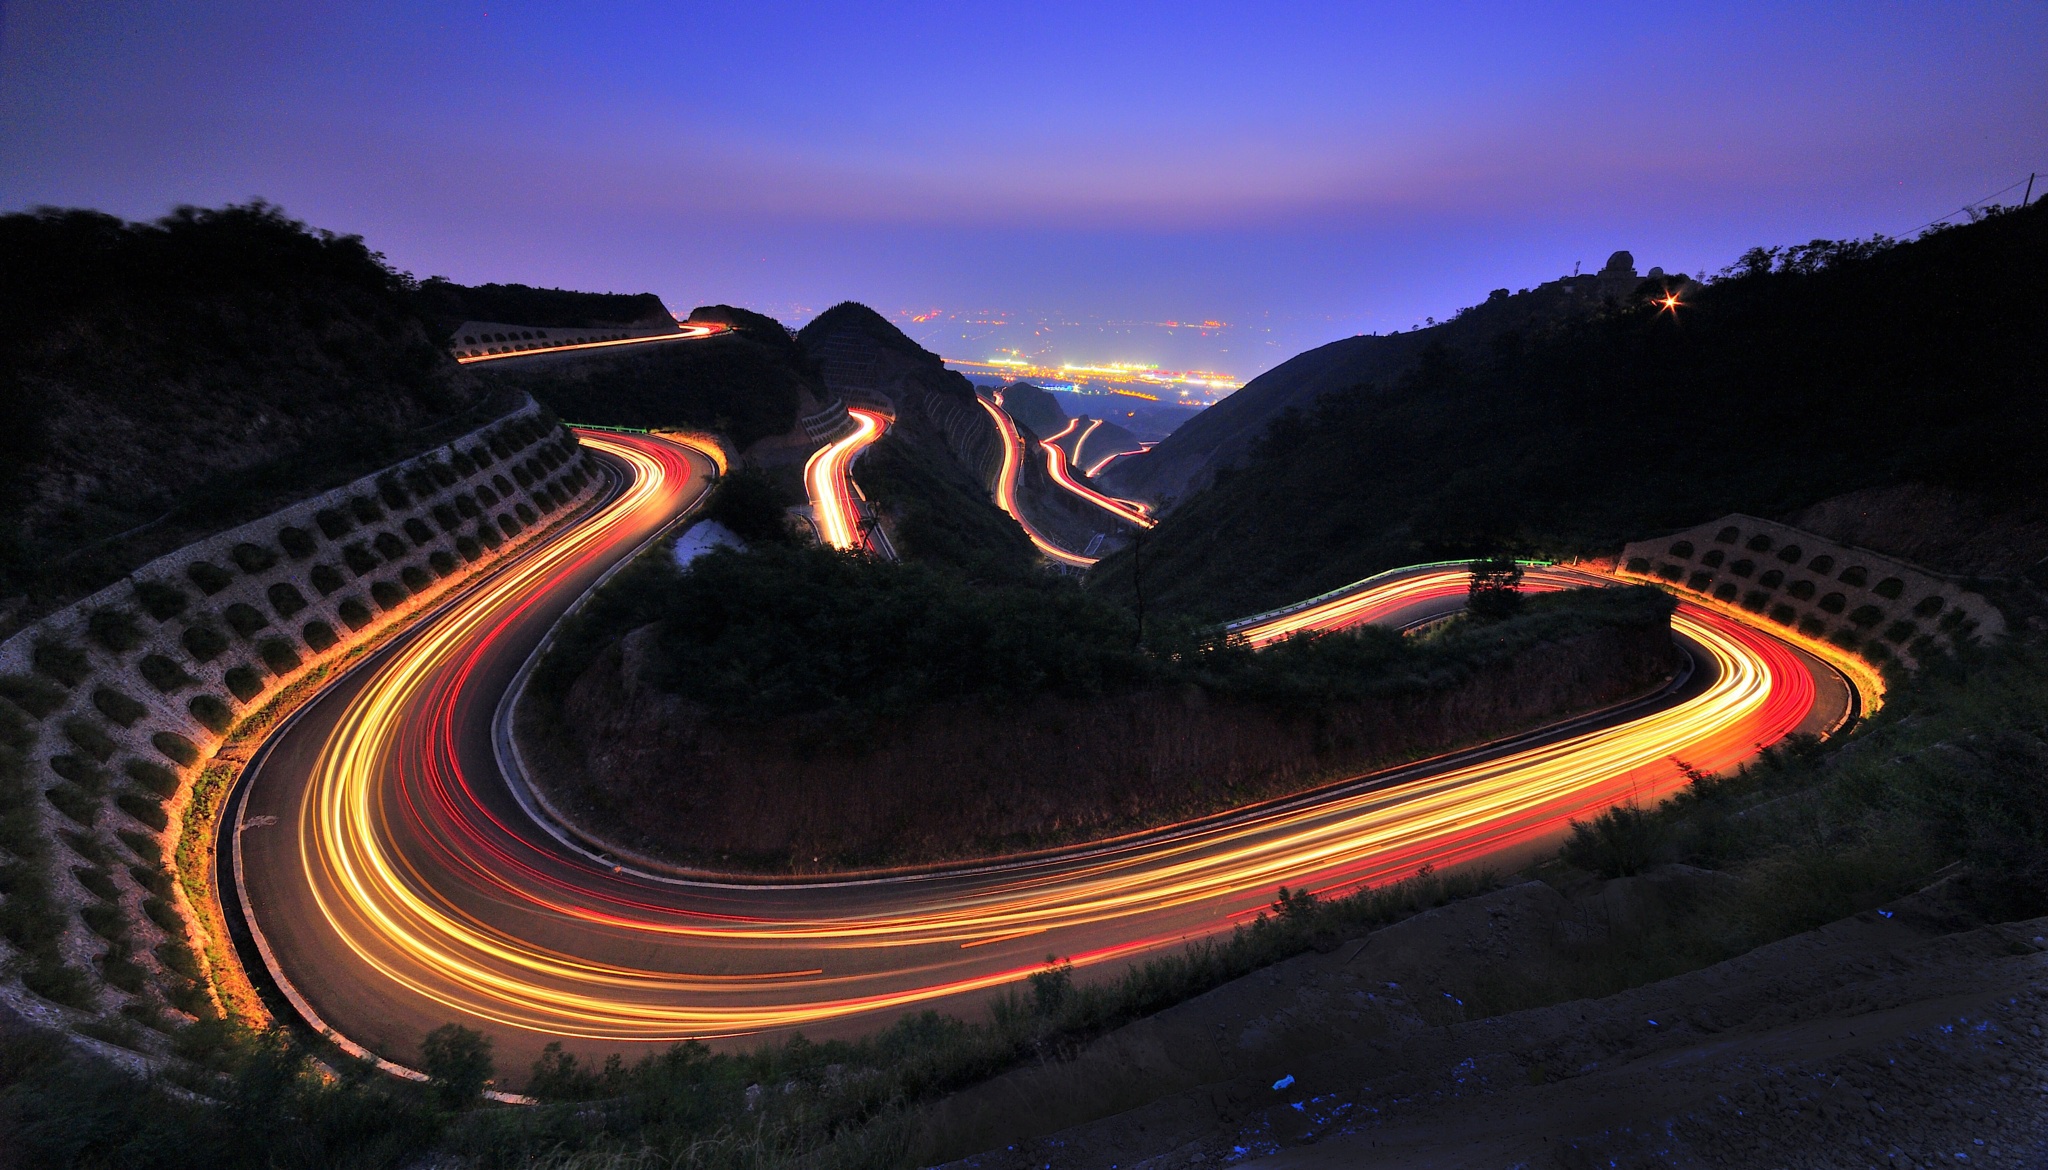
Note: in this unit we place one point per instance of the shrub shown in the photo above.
(486, 498)
(388, 595)
(1855, 575)
(327, 579)
(510, 524)
(1682, 550)
(355, 613)
(160, 599)
(1743, 568)
(1833, 603)
(286, 599)
(1621, 842)
(419, 482)
(1802, 590)
(1771, 579)
(115, 629)
(123, 973)
(390, 547)
(90, 737)
(143, 809)
(252, 558)
(1866, 616)
(210, 578)
(1755, 600)
(503, 486)
(1790, 554)
(38, 697)
(1639, 566)
(334, 522)
(463, 465)
(440, 563)
(442, 474)
(203, 643)
(481, 455)
(544, 499)
(1900, 632)
(1783, 614)
(97, 882)
(360, 559)
(142, 845)
(49, 976)
(151, 877)
(103, 920)
(243, 682)
(466, 507)
(212, 712)
(1875, 652)
(80, 771)
(418, 532)
(1845, 638)
(175, 748)
(153, 776)
(1713, 558)
(522, 475)
(66, 664)
(1728, 535)
(488, 533)
(245, 619)
(1726, 591)
(500, 447)
(1700, 581)
(1890, 588)
(365, 509)
(1929, 606)
(72, 801)
(163, 673)
(526, 514)
(165, 915)
(320, 636)
(1759, 543)
(279, 655)
(1671, 572)
(446, 517)
(389, 491)
(17, 732)
(469, 549)
(298, 543)
(117, 706)
(457, 1062)
(1812, 626)
(1822, 564)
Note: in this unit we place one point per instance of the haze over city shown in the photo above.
(1302, 173)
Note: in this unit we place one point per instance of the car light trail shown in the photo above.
(1128, 511)
(688, 333)
(429, 895)
(1006, 487)
(828, 481)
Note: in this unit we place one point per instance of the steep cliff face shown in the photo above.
(656, 774)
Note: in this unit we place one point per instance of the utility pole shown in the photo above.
(2030, 189)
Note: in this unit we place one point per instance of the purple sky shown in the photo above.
(1300, 171)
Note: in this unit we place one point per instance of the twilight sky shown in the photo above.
(1081, 171)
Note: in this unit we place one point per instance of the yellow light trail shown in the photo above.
(827, 480)
(1006, 487)
(687, 333)
(1129, 511)
(481, 918)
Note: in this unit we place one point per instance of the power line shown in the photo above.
(1966, 208)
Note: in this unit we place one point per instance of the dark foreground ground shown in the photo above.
(1904, 1036)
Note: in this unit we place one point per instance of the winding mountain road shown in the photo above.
(392, 881)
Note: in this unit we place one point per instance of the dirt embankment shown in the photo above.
(653, 773)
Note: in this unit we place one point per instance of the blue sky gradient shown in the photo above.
(1302, 173)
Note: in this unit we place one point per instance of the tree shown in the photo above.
(457, 1061)
(1493, 593)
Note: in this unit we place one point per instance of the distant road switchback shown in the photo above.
(396, 882)
(828, 481)
(1006, 487)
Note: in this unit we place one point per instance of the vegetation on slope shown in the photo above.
(746, 385)
(448, 305)
(159, 382)
(1801, 374)
(799, 709)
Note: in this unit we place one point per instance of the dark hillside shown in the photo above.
(930, 475)
(447, 305)
(1810, 372)
(1035, 407)
(747, 384)
(159, 382)
(1222, 436)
